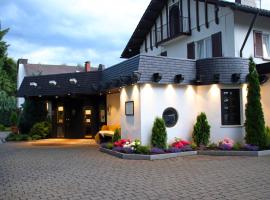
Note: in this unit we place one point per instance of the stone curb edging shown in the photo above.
(234, 153)
(146, 157)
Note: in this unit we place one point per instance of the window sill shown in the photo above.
(231, 126)
(266, 59)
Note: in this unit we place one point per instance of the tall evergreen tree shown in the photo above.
(255, 124)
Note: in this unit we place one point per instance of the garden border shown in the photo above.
(234, 153)
(146, 157)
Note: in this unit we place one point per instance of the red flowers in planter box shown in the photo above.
(180, 143)
(121, 143)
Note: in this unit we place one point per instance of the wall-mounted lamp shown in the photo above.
(33, 84)
(198, 78)
(179, 78)
(73, 81)
(263, 78)
(216, 78)
(52, 83)
(156, 77)
(236, 77)
(136, 76)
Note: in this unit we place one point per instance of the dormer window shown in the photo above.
(33, 84)
(73, 81)
(52, 83)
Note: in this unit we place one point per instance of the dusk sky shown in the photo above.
(71, 31)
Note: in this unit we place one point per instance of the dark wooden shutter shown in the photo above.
(191, 50)
(258, 49)
(217, 44)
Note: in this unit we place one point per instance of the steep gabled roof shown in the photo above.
(153, 11)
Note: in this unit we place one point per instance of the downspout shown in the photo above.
(248, 33)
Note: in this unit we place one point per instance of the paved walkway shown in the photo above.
(3, 136)
(80, 171)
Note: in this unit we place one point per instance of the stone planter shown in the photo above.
(234, 153)
(146, 157)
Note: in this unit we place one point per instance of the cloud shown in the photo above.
(70, 31)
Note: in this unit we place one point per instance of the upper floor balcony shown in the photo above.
(175, 28)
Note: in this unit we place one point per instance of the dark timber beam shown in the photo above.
(189, 19)
(216, 14)
(161, 27)
(197, 16)
(156, 34)
(151, 40)
(248, 33)
(167, 19)
(206, 13)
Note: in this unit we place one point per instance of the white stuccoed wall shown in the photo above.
(130, 125)
(113, 102)
(265, 99)
(20, 76)
(151, 100)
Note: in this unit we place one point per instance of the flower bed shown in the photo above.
(134, 150)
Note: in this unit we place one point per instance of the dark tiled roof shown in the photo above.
(87, 83)
(144, 65)
(41, 69)
(154, 9)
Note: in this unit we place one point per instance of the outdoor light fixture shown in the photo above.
(263, 78)
(198, 78)
(33, 84)
(156, 77)
(136, 76)
(236, 77)
(216, 78)
(73, 81)
(179, 78)
(124, 80)
(53, 83)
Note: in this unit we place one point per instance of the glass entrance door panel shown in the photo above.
(60, 117)
(87, 120)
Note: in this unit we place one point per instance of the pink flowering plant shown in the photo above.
(226, 144)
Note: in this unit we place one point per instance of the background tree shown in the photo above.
(255, 124)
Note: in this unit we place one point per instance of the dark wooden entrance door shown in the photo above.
(73, 119)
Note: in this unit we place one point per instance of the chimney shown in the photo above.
(22, 61)
(87, 66)
(101, 67)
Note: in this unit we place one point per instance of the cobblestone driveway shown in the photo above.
(81, 172)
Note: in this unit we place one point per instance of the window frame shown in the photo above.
(237, 122)
(204, 42)
(263, 50)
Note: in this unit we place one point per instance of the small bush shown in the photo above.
(36, 137)
(237, 146)
(193, 145)
(109, 145)
(14, 119)
(159, 134)
(267, 136)
(116, 136)
(18, 137)
(2, 127)
(201, 132)
(41, 129)
(213, 146)
(143, 150)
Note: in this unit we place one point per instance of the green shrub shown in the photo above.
(159, 134)
(201, 131)
(14, 119)
(237, 146)
(213, 145)
(193, 145)
(255, 124)
(109, 145)
(2, 127)
(36, 137)
(143, 150)
(17, 137)
(41, 129)
(7, 106)
(267, 135)
(116, 136)
(34, 111)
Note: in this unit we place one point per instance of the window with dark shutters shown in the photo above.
(230, 107)
(258, 49)
(191, 50)
(217, 44)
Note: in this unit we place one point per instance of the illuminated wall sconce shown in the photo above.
(136, 76)
(236, 77)
(52, 83)
(263, 78)
(179, 78)
(33, 84)
(216, 78)
(73, 81)
(156, 77)
(109, 109)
